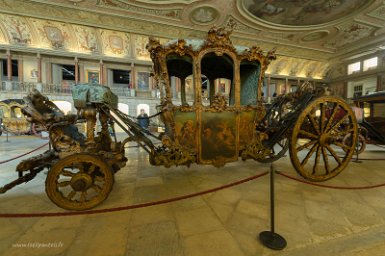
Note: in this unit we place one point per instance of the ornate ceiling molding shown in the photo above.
(169, 13)
(192, 18)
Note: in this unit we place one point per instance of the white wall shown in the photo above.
(56, 74)
(28, 66)
(368, 85)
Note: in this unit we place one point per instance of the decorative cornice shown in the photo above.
(174, 13)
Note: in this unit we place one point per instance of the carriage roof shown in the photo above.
(214, 57)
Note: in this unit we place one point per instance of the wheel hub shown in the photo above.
(324, 139)
(81, 182)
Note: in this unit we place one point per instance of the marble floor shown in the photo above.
(314, 220)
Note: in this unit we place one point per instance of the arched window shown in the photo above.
(250, 74)
(145, 107)
(179, 68)
(216, 71)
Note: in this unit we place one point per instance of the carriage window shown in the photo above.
(17, 112)
(180, 71)
(250, 72)
(216, 71)
(379, 110)
(222, 86)
(4, 112)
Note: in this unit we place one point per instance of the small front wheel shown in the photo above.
(79, 182)
(358, 149)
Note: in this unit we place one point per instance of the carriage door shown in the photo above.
(217, 126)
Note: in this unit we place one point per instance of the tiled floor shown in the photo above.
(314, 220)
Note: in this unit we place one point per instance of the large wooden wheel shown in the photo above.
(79, 182)
(316, 148)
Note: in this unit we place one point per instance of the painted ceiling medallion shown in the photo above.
(302, 12)
(204, 15)
(314, 36)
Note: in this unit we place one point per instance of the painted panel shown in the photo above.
(218, 137)
(185, 130)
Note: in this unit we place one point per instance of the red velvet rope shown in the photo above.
(128, 207)
(329, 186)
(8, 160)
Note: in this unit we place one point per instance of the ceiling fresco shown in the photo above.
(308, 34)
(303, 12)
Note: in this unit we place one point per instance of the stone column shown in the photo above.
(8, 84)
(9, 65)
(39, 72)
(76, 70)
(39, 69)
(81, 74)
(20, 70)
(132, 81)
(48, 68)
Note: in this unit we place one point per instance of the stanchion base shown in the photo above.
(272, 240)
(357, 161)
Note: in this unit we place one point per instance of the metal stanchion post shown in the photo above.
(7, 137)
(271, 239)
(357, 147)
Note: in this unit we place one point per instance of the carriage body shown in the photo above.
(218, 125)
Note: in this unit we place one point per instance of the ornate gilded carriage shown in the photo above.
(219, 118)
(220, 126)
(13, 120)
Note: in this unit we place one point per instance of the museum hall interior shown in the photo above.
(192, 127)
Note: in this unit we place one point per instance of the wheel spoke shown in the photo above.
(331, 118)
(339, 133)
(322, 117)
(99, 178)
(334, 154)
(97, 188)
(83, 196)
(91, 169)
(314, 123)
(309, 154)
(63, 183)
(326, 160)
(71, 194)
(341, 145)
(81, 167)
(308, 134)
(306, 145)
(67, 173)
(317, 156)
(338, 124)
